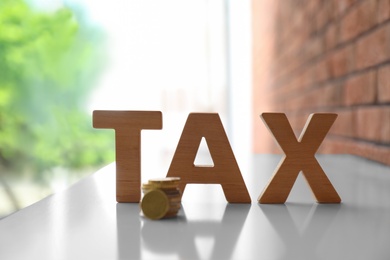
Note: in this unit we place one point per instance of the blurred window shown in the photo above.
(59, 60)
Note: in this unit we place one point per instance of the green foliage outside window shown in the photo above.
(48, 66)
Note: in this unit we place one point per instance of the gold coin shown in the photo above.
(165, 180)
(155, 204)
(174, 207)
(171, 191)
(170, 195)
(174, 199)
(171, 214)
(167, 186)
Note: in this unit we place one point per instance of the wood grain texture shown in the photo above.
(299, 156)
(128, 126)
(225, 170)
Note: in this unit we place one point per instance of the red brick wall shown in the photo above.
(325, 56)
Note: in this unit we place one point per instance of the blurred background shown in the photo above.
(62, 59)
(325, 56)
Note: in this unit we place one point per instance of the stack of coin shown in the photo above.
(162, 198)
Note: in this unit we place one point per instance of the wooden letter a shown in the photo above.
(225, 170)
(300, 156)
(128, 126)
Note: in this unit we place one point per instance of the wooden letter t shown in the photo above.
(128, 126)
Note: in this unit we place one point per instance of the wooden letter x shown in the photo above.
(128, 126)
(299, 156)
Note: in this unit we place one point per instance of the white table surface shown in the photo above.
(85, 222)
